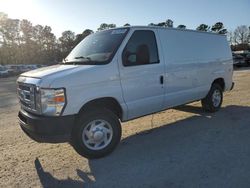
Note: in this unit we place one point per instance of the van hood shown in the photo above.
(47, 75)
(46, 71)
(55, 70)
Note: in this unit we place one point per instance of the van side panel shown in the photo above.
(193, 61)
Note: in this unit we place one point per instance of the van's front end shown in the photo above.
(42, 106)
(51, 97)
(55, 99)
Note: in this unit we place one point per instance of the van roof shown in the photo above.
(169, 28)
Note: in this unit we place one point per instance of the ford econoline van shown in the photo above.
(121, 74)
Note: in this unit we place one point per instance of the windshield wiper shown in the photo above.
(83, 62)
(89, 61)
(82, 57)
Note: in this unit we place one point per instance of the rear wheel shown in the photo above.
(96, 133)
(212, 102)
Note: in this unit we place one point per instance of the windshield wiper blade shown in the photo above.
(82, 57)
(84, 61)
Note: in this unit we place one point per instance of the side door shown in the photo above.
(181, 67)
(142, 73)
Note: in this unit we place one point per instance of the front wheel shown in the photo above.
(96, 134)
(212, 102)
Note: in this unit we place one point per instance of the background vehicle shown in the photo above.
(241, 58)
(3, 71)
(248, 59)
(13, 70)
(118, 75)
(238, 60)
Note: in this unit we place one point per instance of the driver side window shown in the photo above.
(141, 49)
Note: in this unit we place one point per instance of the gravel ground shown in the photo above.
(181, 147)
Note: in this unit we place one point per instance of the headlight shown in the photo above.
(52, 101)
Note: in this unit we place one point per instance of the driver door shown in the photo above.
(142, 74)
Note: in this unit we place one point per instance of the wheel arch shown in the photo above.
(219, 81)
(109, 103)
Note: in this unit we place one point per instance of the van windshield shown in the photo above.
(98, 48)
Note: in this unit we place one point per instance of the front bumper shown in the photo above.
(46, 129)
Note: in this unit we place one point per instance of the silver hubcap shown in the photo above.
(97, 134)
(216, 98)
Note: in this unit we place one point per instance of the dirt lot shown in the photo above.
(184, 147)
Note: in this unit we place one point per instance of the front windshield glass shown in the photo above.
(98, 48)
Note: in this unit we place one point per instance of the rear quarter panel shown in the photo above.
(193, 61)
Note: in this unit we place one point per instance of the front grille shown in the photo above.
(27, 96)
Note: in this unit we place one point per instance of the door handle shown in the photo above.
(161, 79)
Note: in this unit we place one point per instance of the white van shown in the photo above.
(118, 75)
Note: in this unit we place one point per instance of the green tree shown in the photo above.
(105, 26)
(152, 24)
(38, 40)
(219, 28)
(3, 19)
(10, 39)
(45, 45)
(181, 26)
(248, 36)
(49, 45)
(203, 27)
(80, 37)
(27, 46)
(26, 28)
(169, 23)
(161, 24)
(67, 42)
(3, 42)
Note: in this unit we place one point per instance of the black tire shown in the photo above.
(208, 104)
(84, 119)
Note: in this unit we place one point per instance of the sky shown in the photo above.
(78, 15)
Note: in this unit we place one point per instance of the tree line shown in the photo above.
(239, 39)
(21, 42)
